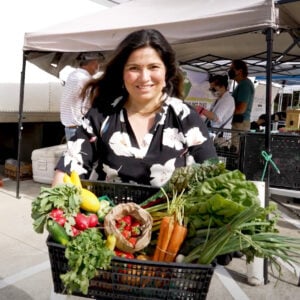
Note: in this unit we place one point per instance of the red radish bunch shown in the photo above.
(82, 221)
(58, 216)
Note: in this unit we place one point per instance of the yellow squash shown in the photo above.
(111, 242)
(67, 179)
(76, 179)
(89, 201)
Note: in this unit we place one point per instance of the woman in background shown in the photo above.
(220, 114)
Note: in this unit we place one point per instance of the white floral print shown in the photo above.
(87, 125)
(195, 137)
(73, 156)
(112, 175)
(178, 138)
(162, 173)
(120, 144)
(173, 138)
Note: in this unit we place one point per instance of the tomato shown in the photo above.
(124, 254)
(125, 221)
(136, 229)
(126, 234)
(132, 240)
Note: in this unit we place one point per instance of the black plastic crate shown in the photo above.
(227, 153)
(121, 192)
(285, 149)
(133, 279)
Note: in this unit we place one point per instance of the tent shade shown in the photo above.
(195, 28)
(180, 21)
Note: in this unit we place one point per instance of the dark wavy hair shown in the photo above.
(104, 90)
(219, 80)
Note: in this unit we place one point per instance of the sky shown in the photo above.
(18, 17)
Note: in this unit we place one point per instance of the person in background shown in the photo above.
(261, 121)
(278, 117)
(243, 95)
(220, 114)
(138, 129)
(72, 105)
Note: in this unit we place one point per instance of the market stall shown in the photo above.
(208, 36)
(203, 35)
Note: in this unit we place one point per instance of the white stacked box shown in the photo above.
(44, 161)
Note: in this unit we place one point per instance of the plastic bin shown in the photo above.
(228, 153)
(44, 161)
(285, 150)
(133, 279)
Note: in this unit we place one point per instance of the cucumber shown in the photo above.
(57, 232)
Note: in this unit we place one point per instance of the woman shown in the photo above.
(220, 115)
(138, 130)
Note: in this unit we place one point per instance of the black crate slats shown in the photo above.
(133, 279)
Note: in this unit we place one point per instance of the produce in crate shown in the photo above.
(86, 253)
(57, 232)
(220, 212)
(126, 213)
(71, 206)
(223, 215)
(66, 198)
(89, 201)
(172, 232)
(105, 206)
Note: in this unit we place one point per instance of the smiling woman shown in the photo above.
(138, 129)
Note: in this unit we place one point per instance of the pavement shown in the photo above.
(25, 272)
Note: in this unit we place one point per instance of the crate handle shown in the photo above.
(268, 158)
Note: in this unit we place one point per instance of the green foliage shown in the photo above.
(66, 197)
(85, 253)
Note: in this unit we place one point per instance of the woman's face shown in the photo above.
(144, 75)
(216, 90)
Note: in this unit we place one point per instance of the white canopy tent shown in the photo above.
(206, 34)
(203, 33)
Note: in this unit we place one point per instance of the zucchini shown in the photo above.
(57, 232)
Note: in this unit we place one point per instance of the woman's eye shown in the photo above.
(133, 68)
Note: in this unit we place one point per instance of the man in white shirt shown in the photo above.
(72, 106)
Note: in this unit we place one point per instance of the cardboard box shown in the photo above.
(293, 119)
(44, 161)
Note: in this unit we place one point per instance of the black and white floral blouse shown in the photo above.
(105, 147)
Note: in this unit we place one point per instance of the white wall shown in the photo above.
(42, 90)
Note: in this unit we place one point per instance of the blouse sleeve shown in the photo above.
(82, 148)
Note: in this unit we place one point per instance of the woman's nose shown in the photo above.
(145, 74)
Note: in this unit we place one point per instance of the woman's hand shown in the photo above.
(58, 178)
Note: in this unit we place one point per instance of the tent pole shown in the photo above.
(20, 126)
(269, 40)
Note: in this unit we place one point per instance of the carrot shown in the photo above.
(165, 232)
(178, 235)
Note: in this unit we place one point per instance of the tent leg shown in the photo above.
(20, 124)
(269, 40)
